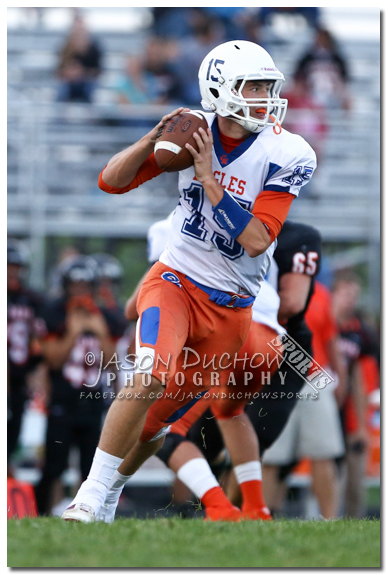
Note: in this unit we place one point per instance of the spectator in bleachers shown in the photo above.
(158, 66)
(311, 15)
(149, 78)
(305, 115)
(171, 22)
(132, 86)
(254, 30)
(231, 19)
(358, 341)
(205, 34)
(79, 65)
(326, 71)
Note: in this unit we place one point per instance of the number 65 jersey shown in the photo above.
(198, 245)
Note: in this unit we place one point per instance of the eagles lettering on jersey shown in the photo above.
(266, 161)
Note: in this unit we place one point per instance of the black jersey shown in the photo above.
(78, 383)
(357, 339)
(23, 325)
(298, 251)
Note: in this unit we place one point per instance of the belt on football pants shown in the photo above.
(222, 298)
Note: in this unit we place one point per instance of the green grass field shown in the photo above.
(50, 542)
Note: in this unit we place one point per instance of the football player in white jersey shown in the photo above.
(188, 461)
(232, 205)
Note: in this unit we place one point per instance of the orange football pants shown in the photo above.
(189, 338)
(249, 375)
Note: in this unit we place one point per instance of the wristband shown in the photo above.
(234, 219)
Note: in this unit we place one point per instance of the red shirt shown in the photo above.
(320, 319)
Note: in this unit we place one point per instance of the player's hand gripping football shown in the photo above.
(155, 132)
(203, 158)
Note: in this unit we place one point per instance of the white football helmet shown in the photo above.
(241, 61)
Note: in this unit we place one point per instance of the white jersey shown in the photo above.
(266, 307)
(157, 238)
(198, 245)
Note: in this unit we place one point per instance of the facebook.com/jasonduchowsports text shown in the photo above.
(215, 377)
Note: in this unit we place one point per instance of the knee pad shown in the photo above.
(171, 443)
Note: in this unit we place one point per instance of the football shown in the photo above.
(170, 152)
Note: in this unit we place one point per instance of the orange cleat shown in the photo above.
(223, 514)
(256, 514)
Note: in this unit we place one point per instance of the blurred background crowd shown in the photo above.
(83, 84)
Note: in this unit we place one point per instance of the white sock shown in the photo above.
(197, 476)
(250, 471)
(116, 486)
(93, 491)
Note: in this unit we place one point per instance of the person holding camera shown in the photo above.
(81, 338)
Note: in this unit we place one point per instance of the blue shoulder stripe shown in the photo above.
(273, 168)
(271, 188)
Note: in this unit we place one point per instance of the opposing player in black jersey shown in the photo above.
(296, 263)
(78, 332)
(23, 331)
(303, 424)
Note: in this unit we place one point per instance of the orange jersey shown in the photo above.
(370, 375)
(320, 320)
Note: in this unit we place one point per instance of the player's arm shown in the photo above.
(360, 400)
(338, 365)
(122, 169)
(247, 228)
(293, 292)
